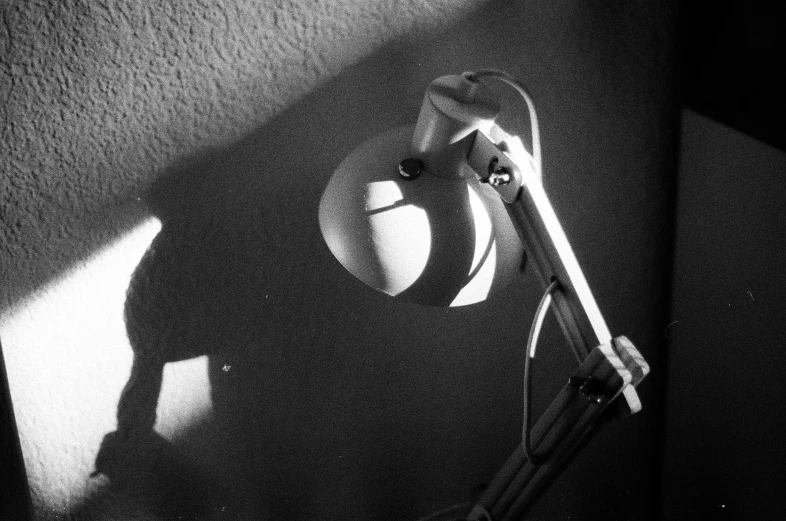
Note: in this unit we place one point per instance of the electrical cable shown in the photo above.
(532, 340)
(533, 116)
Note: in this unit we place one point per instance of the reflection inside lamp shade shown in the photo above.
(429, 240)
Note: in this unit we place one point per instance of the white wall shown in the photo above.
(290, 390)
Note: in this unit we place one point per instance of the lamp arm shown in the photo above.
(553, 259)
(597, 392)
(611, 364)
(546, 245)
(450, 135)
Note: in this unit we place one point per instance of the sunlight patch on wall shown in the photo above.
(185, 396)
(68, 357)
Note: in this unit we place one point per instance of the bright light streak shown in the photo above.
(400, 234)
(185, 396)
(381, 195)
(68, 357)
(479, 287)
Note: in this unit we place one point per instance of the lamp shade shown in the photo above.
(429, 239)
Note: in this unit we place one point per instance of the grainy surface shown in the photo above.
(726, 392)
(100, 97)
(223, 121)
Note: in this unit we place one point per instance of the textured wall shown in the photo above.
(100, 97)
(289, 390)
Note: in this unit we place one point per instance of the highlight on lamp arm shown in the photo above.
(445, 213)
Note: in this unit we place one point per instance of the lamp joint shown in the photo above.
(497, 175)
(493, 166)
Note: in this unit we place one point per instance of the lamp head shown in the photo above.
(427, 230)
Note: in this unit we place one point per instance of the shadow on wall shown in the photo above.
(239, 272)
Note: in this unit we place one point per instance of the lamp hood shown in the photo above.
(430, 240)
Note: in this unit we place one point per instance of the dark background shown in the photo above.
(724, 442)
(732, 67)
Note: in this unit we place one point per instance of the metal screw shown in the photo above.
(410, 168)
(498, 175)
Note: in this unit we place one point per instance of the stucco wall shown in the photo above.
(290, 391)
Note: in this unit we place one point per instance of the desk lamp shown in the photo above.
(445, 213)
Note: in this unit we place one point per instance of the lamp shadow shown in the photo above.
(237, 265)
